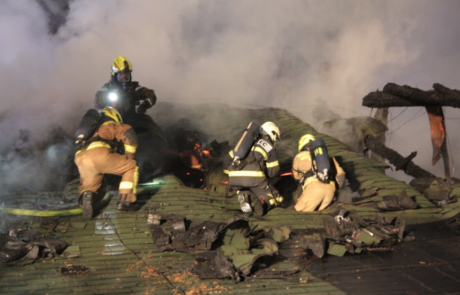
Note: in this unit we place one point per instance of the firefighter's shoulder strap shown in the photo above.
(98, 138)
(305, 175)
(114, 144)
(88, 125)
(238, 165)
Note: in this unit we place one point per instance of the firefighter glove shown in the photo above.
(149, 102)
(142, 108)
(80, 138)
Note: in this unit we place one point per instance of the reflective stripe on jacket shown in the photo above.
(114, 132)
(262, 163)
(95, 144)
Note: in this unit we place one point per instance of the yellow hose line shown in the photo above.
(75, 211)
(38, 213)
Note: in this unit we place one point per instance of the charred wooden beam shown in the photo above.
(449, 94)
(394, 95)
(379, 99)
(396, 159)
(401, 165)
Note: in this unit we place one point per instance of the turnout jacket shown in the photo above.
(260, 164)
(301, 165)
(130, 94)
(114, 136)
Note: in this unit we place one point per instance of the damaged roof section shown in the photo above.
(115, 252)
(222, 122)
(135, 252)
(227, 249)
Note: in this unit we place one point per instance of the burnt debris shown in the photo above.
(228, 249)
(26, 246)
(191, 158)
(348, 232)
(396, 159)
(394, 95)
(233, 250)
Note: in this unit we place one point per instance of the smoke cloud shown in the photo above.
(263, 53)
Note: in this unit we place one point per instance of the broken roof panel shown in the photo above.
(115, 251)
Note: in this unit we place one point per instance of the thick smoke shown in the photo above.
(261, 53)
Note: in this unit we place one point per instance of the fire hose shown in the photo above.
(42, 213)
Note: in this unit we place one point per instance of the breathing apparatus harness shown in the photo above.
(321, 166)
(116, 145)
(308, 173)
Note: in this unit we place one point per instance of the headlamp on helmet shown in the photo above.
(113, 97)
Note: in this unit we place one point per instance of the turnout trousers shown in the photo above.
(265, 191)
(94, 163)
(315, 194)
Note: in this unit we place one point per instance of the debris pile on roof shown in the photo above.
(438, 190)
(441, 193)
(348, 232)
(396, 202)
(222, 249)
(353, 131)
(26, 246)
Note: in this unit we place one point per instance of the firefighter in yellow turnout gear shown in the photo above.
(100, 155)
(255, 171)
(317, 194)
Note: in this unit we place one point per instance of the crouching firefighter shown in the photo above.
(254, 165)
(105, 146)
(316, 172)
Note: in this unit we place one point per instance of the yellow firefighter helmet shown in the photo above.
(121, 64)
(113, 114)
(305, 140)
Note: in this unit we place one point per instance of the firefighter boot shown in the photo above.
(87, 199)
(260, 206)
(244, 204)
(123, 205)
(275, 202)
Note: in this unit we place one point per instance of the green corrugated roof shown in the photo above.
(119, 252)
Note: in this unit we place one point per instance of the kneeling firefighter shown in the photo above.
(313, 168)
(105, 146)
(254, 164)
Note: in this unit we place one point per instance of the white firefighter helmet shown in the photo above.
(271, 130)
